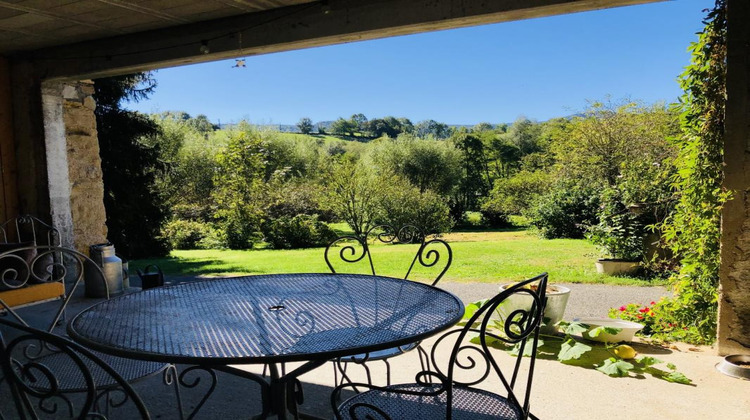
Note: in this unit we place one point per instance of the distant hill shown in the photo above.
(292, 128)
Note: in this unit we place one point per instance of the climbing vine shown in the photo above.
(693, 229)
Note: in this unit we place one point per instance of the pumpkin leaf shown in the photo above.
(596, 332)
(573, 328)
(572, 349)
(677, 377)
(615, 367)
(527, 349)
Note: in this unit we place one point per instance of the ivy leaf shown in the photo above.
(616, 368)
(572, 349)
(573, 328)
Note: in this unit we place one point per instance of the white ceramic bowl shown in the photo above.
(628, 329)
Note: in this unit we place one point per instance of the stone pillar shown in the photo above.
(734, 297)
(84, 166)
(57, 161)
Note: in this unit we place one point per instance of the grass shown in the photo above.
(487, 257)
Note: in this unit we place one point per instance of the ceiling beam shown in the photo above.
(51, 15)
(144, 10)
(295, 27)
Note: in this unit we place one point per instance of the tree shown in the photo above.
(427, 164)
(359, 122)
(130, 167)
(305, 125)
(351, 194)
(472, 184)
(239, 189)
(483, 126)
(342, 127)
(202, 124)
(609, 136)
(503, 157)
(525, 134)
(432, 128)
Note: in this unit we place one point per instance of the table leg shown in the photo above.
(286, 391)
(282, 394)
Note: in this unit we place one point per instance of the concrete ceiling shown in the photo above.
(78, 39)
(33, 24)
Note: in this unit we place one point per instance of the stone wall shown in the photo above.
(84, 166)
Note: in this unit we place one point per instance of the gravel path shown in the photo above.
(586, 300)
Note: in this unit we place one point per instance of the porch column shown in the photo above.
(734, 297)
(57, 161)
(84, 166)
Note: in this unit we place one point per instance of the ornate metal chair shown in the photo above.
(67, 267)
(18, 291)
(356, 249)
(449, 391)
(30, 230)
(39, 388)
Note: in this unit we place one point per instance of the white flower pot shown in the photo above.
(615, 267)
(557, 300)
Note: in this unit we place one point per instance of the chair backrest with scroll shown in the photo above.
(36, 386)
(520, 328)
(29, 230)
(34, 269)
(461, 359)
(434, 254)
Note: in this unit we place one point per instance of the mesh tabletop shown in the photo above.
(282, 317)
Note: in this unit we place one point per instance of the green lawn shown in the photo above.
(477, 257)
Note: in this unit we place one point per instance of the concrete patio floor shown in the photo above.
(559, 391)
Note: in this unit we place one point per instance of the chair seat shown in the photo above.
(380, 354)
(70, 378)
(468, 403)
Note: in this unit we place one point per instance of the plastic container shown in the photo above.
(628, 329)
(151, 277)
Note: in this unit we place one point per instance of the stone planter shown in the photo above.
(557, 300)
(615, 267)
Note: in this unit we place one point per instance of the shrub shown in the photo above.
(495, 218)
(300, 231)
(297, 197)
(515, 195)
(188, 234)
(401, 204)
(565, 212)
(619, 232)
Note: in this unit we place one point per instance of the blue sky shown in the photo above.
(538, 68)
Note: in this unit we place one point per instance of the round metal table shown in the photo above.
(267, 319)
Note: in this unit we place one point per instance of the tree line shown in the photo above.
(569, 177)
